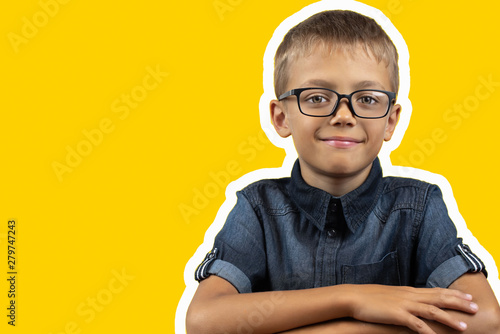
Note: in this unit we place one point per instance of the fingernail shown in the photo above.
(474, 307)
(468, 296)
(463, 325)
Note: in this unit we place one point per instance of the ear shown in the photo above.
(392, 121)
(279, 118)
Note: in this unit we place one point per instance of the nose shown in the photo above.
(343, 115)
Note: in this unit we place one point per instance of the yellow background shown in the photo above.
(119, 209)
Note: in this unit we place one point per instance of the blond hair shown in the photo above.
(335, 29)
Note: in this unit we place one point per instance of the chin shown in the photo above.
(345, 169)
(340, 172)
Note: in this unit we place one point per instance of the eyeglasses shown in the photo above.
(322, 102)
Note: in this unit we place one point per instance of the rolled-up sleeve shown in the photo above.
(441, 256)
(238, 254)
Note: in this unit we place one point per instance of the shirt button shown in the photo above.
(331, 233)
(334, 207)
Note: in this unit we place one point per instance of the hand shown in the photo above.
(404, 306)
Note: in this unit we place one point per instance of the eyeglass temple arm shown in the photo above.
(287, 94)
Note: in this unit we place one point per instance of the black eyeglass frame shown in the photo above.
(297, 91)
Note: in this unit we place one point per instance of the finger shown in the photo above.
(445, 292)
(419, 326)
(456, 293)
(449, 299)
(434, 313)
(456, 303)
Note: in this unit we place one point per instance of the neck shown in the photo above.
(335, 185)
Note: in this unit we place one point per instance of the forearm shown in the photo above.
(267, 312)
(479, 323)
(218, 308)
(352, 326)
(349, 326)
(484, 321)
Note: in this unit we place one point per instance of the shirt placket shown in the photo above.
(329, 245)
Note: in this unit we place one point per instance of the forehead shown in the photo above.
(337, 66)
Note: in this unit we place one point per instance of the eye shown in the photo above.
(367, 99)
(316, 99)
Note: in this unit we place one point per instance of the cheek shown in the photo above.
(376, 129)
(303, 125)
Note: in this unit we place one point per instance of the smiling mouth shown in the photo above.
(341, 142)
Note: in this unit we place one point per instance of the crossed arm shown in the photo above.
(217, 307)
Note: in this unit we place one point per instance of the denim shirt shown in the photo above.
(283, 234)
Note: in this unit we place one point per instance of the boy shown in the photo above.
(336, 247)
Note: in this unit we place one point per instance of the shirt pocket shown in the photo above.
(385, 272)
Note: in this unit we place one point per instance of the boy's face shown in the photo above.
(340, 147)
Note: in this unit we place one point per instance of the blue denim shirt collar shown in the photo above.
(356, 205)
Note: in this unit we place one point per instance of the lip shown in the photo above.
(341, 142)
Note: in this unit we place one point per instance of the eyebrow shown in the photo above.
(368, 84)
(318, 83)
(327, 84)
